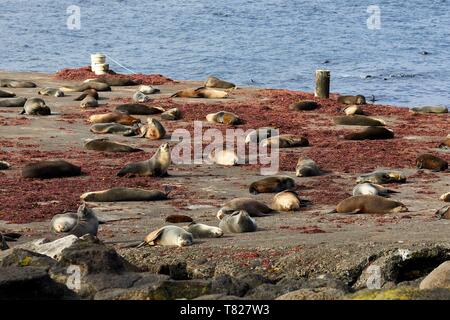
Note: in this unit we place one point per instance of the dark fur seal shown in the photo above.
(103, 128)
(36, 106)
(358, 120)
(48, 169)
(12, 102)
(16, 84)
(6, 94)
(272, 184)
(89, 92)
(123, 194)
(171, 114)
(4, 165)
(306, 167)
(80, 223)
(89, 102)
(382, 177)
(371, 133)
(214, 82)
(359, 99)
(105, 145)
(431, 162)
(138, 109)
(116, 82)
(98, 86)
(304, 105)
(254, 208)
(430, 109)
(369, 204)
(156, 166)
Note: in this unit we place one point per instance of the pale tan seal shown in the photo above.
(359, 99)
(171, 114)
(223, 157)
(48, 169)
(445, 197)
(214, 82)
(51, 92)
(106, 145)
(156, 166)
(169, 236)
(124, 194)
(152, 130)
(307, 167)
(253, 207)
(116, 117)
(353, 109)
(382, 177)
(286, 201)
(272, 184)
(148, 89)
(238, 222)
(431, 162)
(201, 92)
(369, 204)
(199, 230)
(285, 141)
(444, 145)
(36, 106)
(80, 223)
(224, 117)
(371, 189)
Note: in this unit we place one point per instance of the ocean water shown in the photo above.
(269, 43)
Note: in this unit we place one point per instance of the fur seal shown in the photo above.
(105, 145)
(114, 82)
(224, 117)
(369, 204)
(51, 92)
(223, 157)
(238, 222)
(48, 169)
(353, 109)
(3, 244)
(253, 207)
(13, 102)
(169, 236)
(445, 197)
(36, 106)
(286, 201)
(103, 128)
(148, 89)
(371, 133)
(178, 218)
(444, 145)
(156, 166)
(382, 177)
(359, 99)
(89, 102)
(153, 130)
(171, 114)
(358, 120)
(98, 86)
(116, 117)
(89, 92)
(6, 94)
(16, 83)
(371, 189)
(123, 194)
(285, 141)
(139, 97)
(443, 213)
(199, 230)
(430, 109)
(431, 162)
(201, 92)
(306, 167)
(272, 184)
(4, 165)
(214, 82)
(260, 134)
(304, 105)
(139, 109)
(80, 223)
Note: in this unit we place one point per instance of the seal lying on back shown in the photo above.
(272, 184)
(224, 117)
(105, 145)
(153, 130)
(359, 99)
(238, 222)
(116, 117)
(214, 82)
(304, 105)
(16, 84)
(286, 201)
(201, 92)
(156, 166)
(369, 204)
(123, 194)
(80, 223)
(102, 128)
(12, 102)
(260, 134)
(285, 141)
(199, 230)
(254, 207)
(48, 169)
(430, 109)
(98, 86)
(139, 109)
(36, 106)
(169, 236)
(6, 94)
(89, 92)
(306, 167)
(371, 133)
(171, 114)
(431, 162)
(382, 177)
(51, 92)
(358, 120)
(371, 189)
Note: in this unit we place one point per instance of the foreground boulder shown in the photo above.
(438, 278)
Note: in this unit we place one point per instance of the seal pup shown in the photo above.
(89, 92)
(223, 157)
(430, 109)
(444, 145)
(272, 184)
(307, 167)
(353, 109)
(148, 89)
(16, 83)
(304, 105)
(124, 194)
(443, 213)
(48, 169)
(253, 207)
(156, 166)
(4, 165)
(371, 189)
(116, 117)
(445, 197)
(89, 102)
(238, 222)
(98, 86)
(139, 97)
(117, 128)
(286, 201)
(178, 218)
(431, 162)
(139, 109)
(106, 145)
(80, 223)
(369, 204)
(358, 120)
(256, 136)
(36, 106)
(224, 117)
(359, 99)
(51, 92)
(153, 130)
(6, 94)
(285, 141)
(13, 102)
(171, 114)
(201, 92)
(214, 82)
(169, 236)
(371, 133)
(382, 177)
(199, 230)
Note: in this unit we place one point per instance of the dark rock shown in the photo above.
(25, 258)
(176, 271)
(228, 285)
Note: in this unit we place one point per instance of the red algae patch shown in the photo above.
(20, 121)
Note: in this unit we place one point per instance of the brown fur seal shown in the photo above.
(445, 197)
(116, 117)
(36, 106)
(272, 184)
(139, 109)
(304, 105)
(89, 92)
(98, 86)
(443, 213)
(169, 236)
(359, 99)
(358, 120)
(382, 177)
(306, 167)
(178, 218)
(201, 92)
(444, 145)
(286, 201)
(254, 208)
(13, 102)
(430, 109)
(371, 133)
(105, 145)
(123, 194)
(16, 83)
(156, 166)
(80, 223)
(214, 82)
(6, 94)
(3, 244)
(431, 162)
(353, 109)
(369, 204)
(285, 141)
(171, 114)
(103, 128)
(114, 82)
(89, 102)
(153, 130)
(224, 117)
(51, 92)
(238, 222)
(48, 169)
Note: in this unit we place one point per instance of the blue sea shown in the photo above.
(398, 52)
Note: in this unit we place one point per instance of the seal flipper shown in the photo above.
(153, 236)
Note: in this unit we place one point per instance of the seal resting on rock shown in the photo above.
(48, 169)
(214, 82)
(272, 184)
(371, 189)
(382, 177)
(123, 194)
(306, 167)
(80, 223)
(13, 102)
(16, 83)
(153, 130)
(431, 162)
(286, 201)
(201, 92)
(371, 133)
(359, 99)
(430, 109)
(443, 213)
(238, 222)
(285, 141)
(171, 114)
(169, 236)
(253, 207)
(88, 92)
(139, 109)
(51, 92)
(358, 120)
(304, 105)
(156, 166)
(36, 106)
(223, 117)
(199, 230)
(116, 117)
(106, 145)
(6, 94)
(369, 204)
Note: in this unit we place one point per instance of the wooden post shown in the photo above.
(322, 84)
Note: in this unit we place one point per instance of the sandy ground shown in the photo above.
(311, 231)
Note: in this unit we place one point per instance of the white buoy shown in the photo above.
(98, 64)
